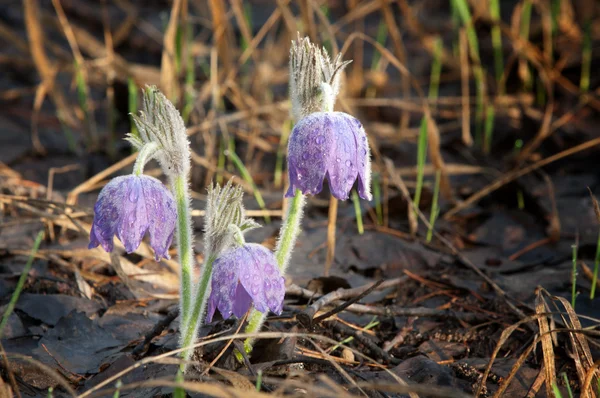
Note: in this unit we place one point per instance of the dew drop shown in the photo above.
(364, 151)
(255, 288)
(348, 163)
(320, 139)
(267, 284)
(272, 304)
(299, 176)
(134, 194)
(338, 160)
(306, 155)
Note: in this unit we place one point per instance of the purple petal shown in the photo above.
(162, 215)
(252, 256)
(241, 302)
(309, 147)
(246, 275)
(330, 145)
(127, 207)
(211, 307)
(107, 214)
(363, 161)
(274, 287)
(134, 220)
(224, 282)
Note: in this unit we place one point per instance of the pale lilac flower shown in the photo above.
(330, 145)
(127, 207)
(244, 275)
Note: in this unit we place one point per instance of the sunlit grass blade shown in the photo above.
(489, 129)
(586, 58)
(258, 380)
(281, 150)
(118, 387)
(377, 198)
(374, 322)
(567, 384)
(436, 69)
(435, 211)
(248, 178)
(21, 282)
(497, 44)
(574, 276)
(556, 391)
(357, 212)
(462, 9)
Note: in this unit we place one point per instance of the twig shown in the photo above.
(306, 318)
(141, 348)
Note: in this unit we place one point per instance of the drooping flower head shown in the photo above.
(323, 144)
(330, 145)
(242, 276)
(127, 207)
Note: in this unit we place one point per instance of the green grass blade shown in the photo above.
(118, 386)
(258, 380)
(381, 38)
(132, 102)
(489, 129)
(357, 212)
(248, 178)
(586, 58)
(15, 296)
(377, 197)
(435, 211)
(596, 268)
(574, 277)
(436, 69)
(497, 44)
(567, 384)
(281, 151)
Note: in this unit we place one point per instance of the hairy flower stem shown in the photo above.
(184, 246)
(196, 317)
(144, 155)
(287, 238)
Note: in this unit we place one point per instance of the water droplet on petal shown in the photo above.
(267, 284)
(364, 151)
(299, 176)
(338, 160)
(134, 194)
(348, 163)
(255, 288)
(320, 139)
(305, 156)
(272, 303)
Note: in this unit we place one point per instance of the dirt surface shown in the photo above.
(468, 312)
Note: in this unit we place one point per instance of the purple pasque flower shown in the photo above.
(330, 145)
(244, 275)
(127, 207)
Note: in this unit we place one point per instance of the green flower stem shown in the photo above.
(184, 246)
(144, 155)
(287, 239)
(195, 320)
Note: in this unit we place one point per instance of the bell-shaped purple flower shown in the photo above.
(330, 145)
(244, 275)
(127, 207)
